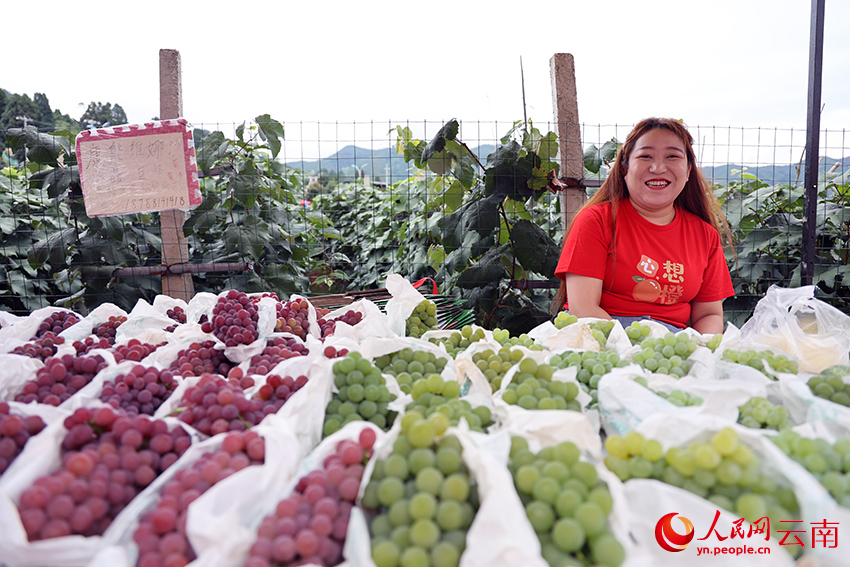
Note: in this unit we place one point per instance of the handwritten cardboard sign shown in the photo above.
(138, 168)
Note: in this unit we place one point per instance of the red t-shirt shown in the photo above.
(651, 270)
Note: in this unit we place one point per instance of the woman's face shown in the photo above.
(657, 171)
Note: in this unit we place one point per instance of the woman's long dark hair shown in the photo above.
(696, 198)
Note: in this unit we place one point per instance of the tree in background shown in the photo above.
(98, 115)
(44, 118)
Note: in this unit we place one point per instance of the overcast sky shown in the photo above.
(712, 63)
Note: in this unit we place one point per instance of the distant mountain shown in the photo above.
(375, 163)
(379, 163)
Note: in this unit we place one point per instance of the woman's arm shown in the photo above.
(584, 295)
(706, 316)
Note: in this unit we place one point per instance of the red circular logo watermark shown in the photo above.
(668, 538)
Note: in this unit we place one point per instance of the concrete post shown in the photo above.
(175, 248)
(565, 104)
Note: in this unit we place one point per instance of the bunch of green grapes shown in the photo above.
(722, 470)
(566, 503)
(666, 355)
(423, 318)
(408, 366)
(678, 398)
(494, 365)
(601, 330)
(637, 332)
(421, 499)
(433, 395)
(562, 319)
(504, 338)
(362, 395)
(532, 388)
(756, 359)
(714, 341)
(830, 385)
(760, 413)
(458, 341)
(829, 463)
(592, 366)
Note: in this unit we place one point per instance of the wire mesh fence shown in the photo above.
(337, 206)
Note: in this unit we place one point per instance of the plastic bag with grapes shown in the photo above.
(253, 321)
(470, 375)
(576, 335)
(146, 322)
(373, 322)
(15, 371)
(624, 402)
(404, 300)
(806, 404)
(499, 533)
(15, 332)
(98, 315)
(794, 321)
(216, 518)
(651, 499)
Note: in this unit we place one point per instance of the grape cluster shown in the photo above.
(328, 326)
(504, 338)
(161, 534)
(134, 350)
(141, 390)
(177, 314)
(714, 342)
(760, 413)
(41, 348)
(362, 395)
(108, 329)
(678, 398)
(15, 431)
(56, 323)
(292, 317)
(564, 319)
(829, 384)
(214, 406)
(201, 358)
(60, 378)
(567, 504)
(422, 319)
(422, 498)
(828, 462)
(637, 332)
(308, 527)
(722, 469)
(437, 401)
(332, 352)
(757, 360)
(601, 330)
(233, 320)
(107, 458)
(458, 341)
(88, 344)
(591, 367)
(277, 391)
(532, 388)
(494, 365)
(667, 355)
(408, 366)
(277, 350)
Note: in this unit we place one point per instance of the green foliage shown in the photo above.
(98, 115)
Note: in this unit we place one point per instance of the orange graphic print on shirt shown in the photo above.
(649, 290)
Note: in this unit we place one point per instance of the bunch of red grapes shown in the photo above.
(88, 344)
(214, 406)
(277, 350)
(15, 431)
(201, 358)
(142, 390)
(333, 352)
(161, 535)
(178, 314)
(60, 378)
(107, 459)
(276, 391)
(350, 317)
(309, 526)
(56, 323)
(134, 350)
(292, 318)
(109, 328)
(234, 319)
(41, 348)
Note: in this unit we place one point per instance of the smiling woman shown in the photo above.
(647, 244)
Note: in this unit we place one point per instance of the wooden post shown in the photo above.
(175, 248)
(562, 72)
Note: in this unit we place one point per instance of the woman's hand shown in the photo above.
(706, 316)
(584, 295)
